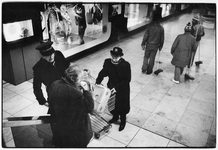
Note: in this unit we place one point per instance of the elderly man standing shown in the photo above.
(70, 105)
(152, 41)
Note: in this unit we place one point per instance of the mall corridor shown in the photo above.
(163, 114)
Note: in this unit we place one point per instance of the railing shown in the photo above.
(15, 122)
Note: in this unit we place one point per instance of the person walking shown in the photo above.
(48, 69)
(70, 105)
(182, 49)
(197, 32)
(118, 71)
(153, 41)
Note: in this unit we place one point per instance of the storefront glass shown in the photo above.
(138, 15)
(167, 9)
(70, 25)
(17, 30)
(184, 6)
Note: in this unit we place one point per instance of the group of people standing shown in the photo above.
(70, 103)
(183, 48)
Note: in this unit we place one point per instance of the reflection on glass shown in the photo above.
(138, 13)
(116, 9)
(17, 30)
(184, 6)
(167, 9)
(70, 25)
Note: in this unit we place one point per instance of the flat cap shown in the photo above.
(46, 48)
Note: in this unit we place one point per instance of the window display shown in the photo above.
(167, 9)
(70, 25)
(138, 14)
(184, 6)
(17, 30)
(116, 10)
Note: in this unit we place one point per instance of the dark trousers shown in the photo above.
(149, 58)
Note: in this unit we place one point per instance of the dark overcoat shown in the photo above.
(70, 110)
(182, 49)
(46, 73)
(119, 77)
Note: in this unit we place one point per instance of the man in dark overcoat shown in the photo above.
(182, 50)
(118, 71)
(48, 69)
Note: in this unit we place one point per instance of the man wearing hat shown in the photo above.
(48, 69)
(152, 41)
(182, 49)
(118, 71)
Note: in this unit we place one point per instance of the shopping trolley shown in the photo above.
(104, 102)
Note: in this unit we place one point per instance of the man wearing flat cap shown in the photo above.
(118, 71)
(48, 69)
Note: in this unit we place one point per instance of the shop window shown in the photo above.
(138, 14)
(71, 25)
(184, 6)
(17, 30)
(167, 9)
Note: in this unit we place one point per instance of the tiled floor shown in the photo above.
(163, 114)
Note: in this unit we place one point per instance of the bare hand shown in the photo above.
(85, 85)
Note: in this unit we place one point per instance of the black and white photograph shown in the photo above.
(109, 74)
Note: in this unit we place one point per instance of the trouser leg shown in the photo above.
(151, 61)
(123, 122)
(181, 70)
(145, 61)
(177, 73)
(123, 118)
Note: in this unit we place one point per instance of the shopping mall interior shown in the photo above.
(162, 114)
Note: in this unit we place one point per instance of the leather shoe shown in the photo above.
(122, 126)
(148, 73)
(187, 77)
